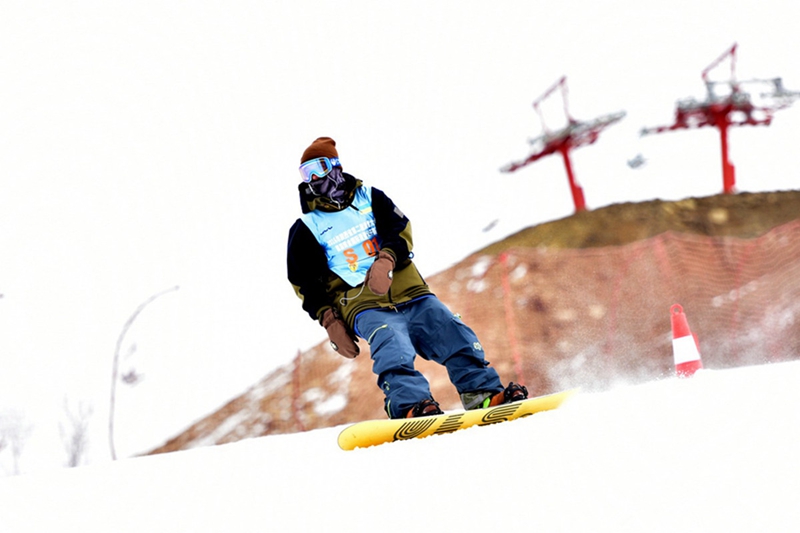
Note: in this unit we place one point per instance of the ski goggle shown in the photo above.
(318, 168)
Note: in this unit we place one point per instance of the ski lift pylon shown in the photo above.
(735, 108)
(574, 135)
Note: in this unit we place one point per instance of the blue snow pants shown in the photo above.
(424, 327)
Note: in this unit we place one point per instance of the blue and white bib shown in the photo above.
(348, 237)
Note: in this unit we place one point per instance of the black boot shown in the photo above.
(482, 400)
(426, 407)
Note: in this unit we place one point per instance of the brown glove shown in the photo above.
(341, 339)
(379, 275)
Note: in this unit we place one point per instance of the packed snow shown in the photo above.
(715, 452)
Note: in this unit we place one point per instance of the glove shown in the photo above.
(341, 339)
(379, 275)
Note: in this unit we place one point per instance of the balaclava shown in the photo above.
(330, 186)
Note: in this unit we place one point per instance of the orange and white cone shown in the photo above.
(685, 347)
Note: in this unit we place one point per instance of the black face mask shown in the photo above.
(331, 186)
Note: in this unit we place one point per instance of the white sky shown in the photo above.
(149, 145)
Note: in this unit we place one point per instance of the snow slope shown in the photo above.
(713, 453)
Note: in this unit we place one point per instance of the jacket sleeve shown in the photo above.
(307, 269)
(393, 227)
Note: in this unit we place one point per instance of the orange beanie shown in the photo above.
(321, 147)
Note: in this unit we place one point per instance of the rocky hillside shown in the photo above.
(581, 301)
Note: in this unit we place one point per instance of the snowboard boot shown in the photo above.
(424, 408)
(482, 400)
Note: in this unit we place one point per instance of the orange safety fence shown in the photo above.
(595, 316)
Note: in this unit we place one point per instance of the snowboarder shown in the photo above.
(349, 261)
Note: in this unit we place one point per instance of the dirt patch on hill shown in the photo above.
(744, 215)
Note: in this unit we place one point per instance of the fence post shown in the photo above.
(509, 316)
(298, 421)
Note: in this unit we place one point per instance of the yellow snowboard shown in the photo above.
(373, 432)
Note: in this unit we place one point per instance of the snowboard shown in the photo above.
(374, 432)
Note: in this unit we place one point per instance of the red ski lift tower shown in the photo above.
(574, 135)
(732, 109)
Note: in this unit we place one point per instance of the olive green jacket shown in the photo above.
(320, 289)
